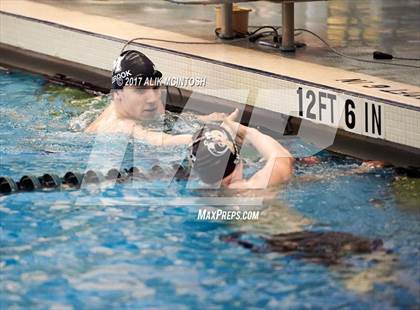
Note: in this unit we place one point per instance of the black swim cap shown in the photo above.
(213, 153)
(133, 68)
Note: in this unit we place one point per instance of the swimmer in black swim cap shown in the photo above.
(137, 97)
(213, 153)
(214, 156)
(133, 68)
(132, 100)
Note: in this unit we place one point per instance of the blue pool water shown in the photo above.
(128, 247)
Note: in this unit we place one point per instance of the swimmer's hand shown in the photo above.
(369, 165)
(309, 160)
(236, 129)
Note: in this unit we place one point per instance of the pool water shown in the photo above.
(129, 247)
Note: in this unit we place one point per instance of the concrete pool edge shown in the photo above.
(49, 66)
(411, 101)
(403, 134)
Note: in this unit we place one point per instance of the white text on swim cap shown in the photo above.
(121, 75)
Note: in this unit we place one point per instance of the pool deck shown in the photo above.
(355, 28)
(356, 103)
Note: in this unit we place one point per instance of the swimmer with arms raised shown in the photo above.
(214, 156)
(133, 102)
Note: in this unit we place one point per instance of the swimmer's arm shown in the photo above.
(279, 162)
(217, 116)
(212, 117)
(160, 138)
(176, 139)
(365, 167)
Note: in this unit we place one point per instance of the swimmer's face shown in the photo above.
(139, 103)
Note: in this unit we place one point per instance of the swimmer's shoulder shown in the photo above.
(93, 127)
(108, 122)
(100, 121)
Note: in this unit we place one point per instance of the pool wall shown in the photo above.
(375, 117)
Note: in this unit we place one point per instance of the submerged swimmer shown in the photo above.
(135, 100)
(341, 251)
(324, 247)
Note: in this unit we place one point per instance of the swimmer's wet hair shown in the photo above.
(213, 153)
